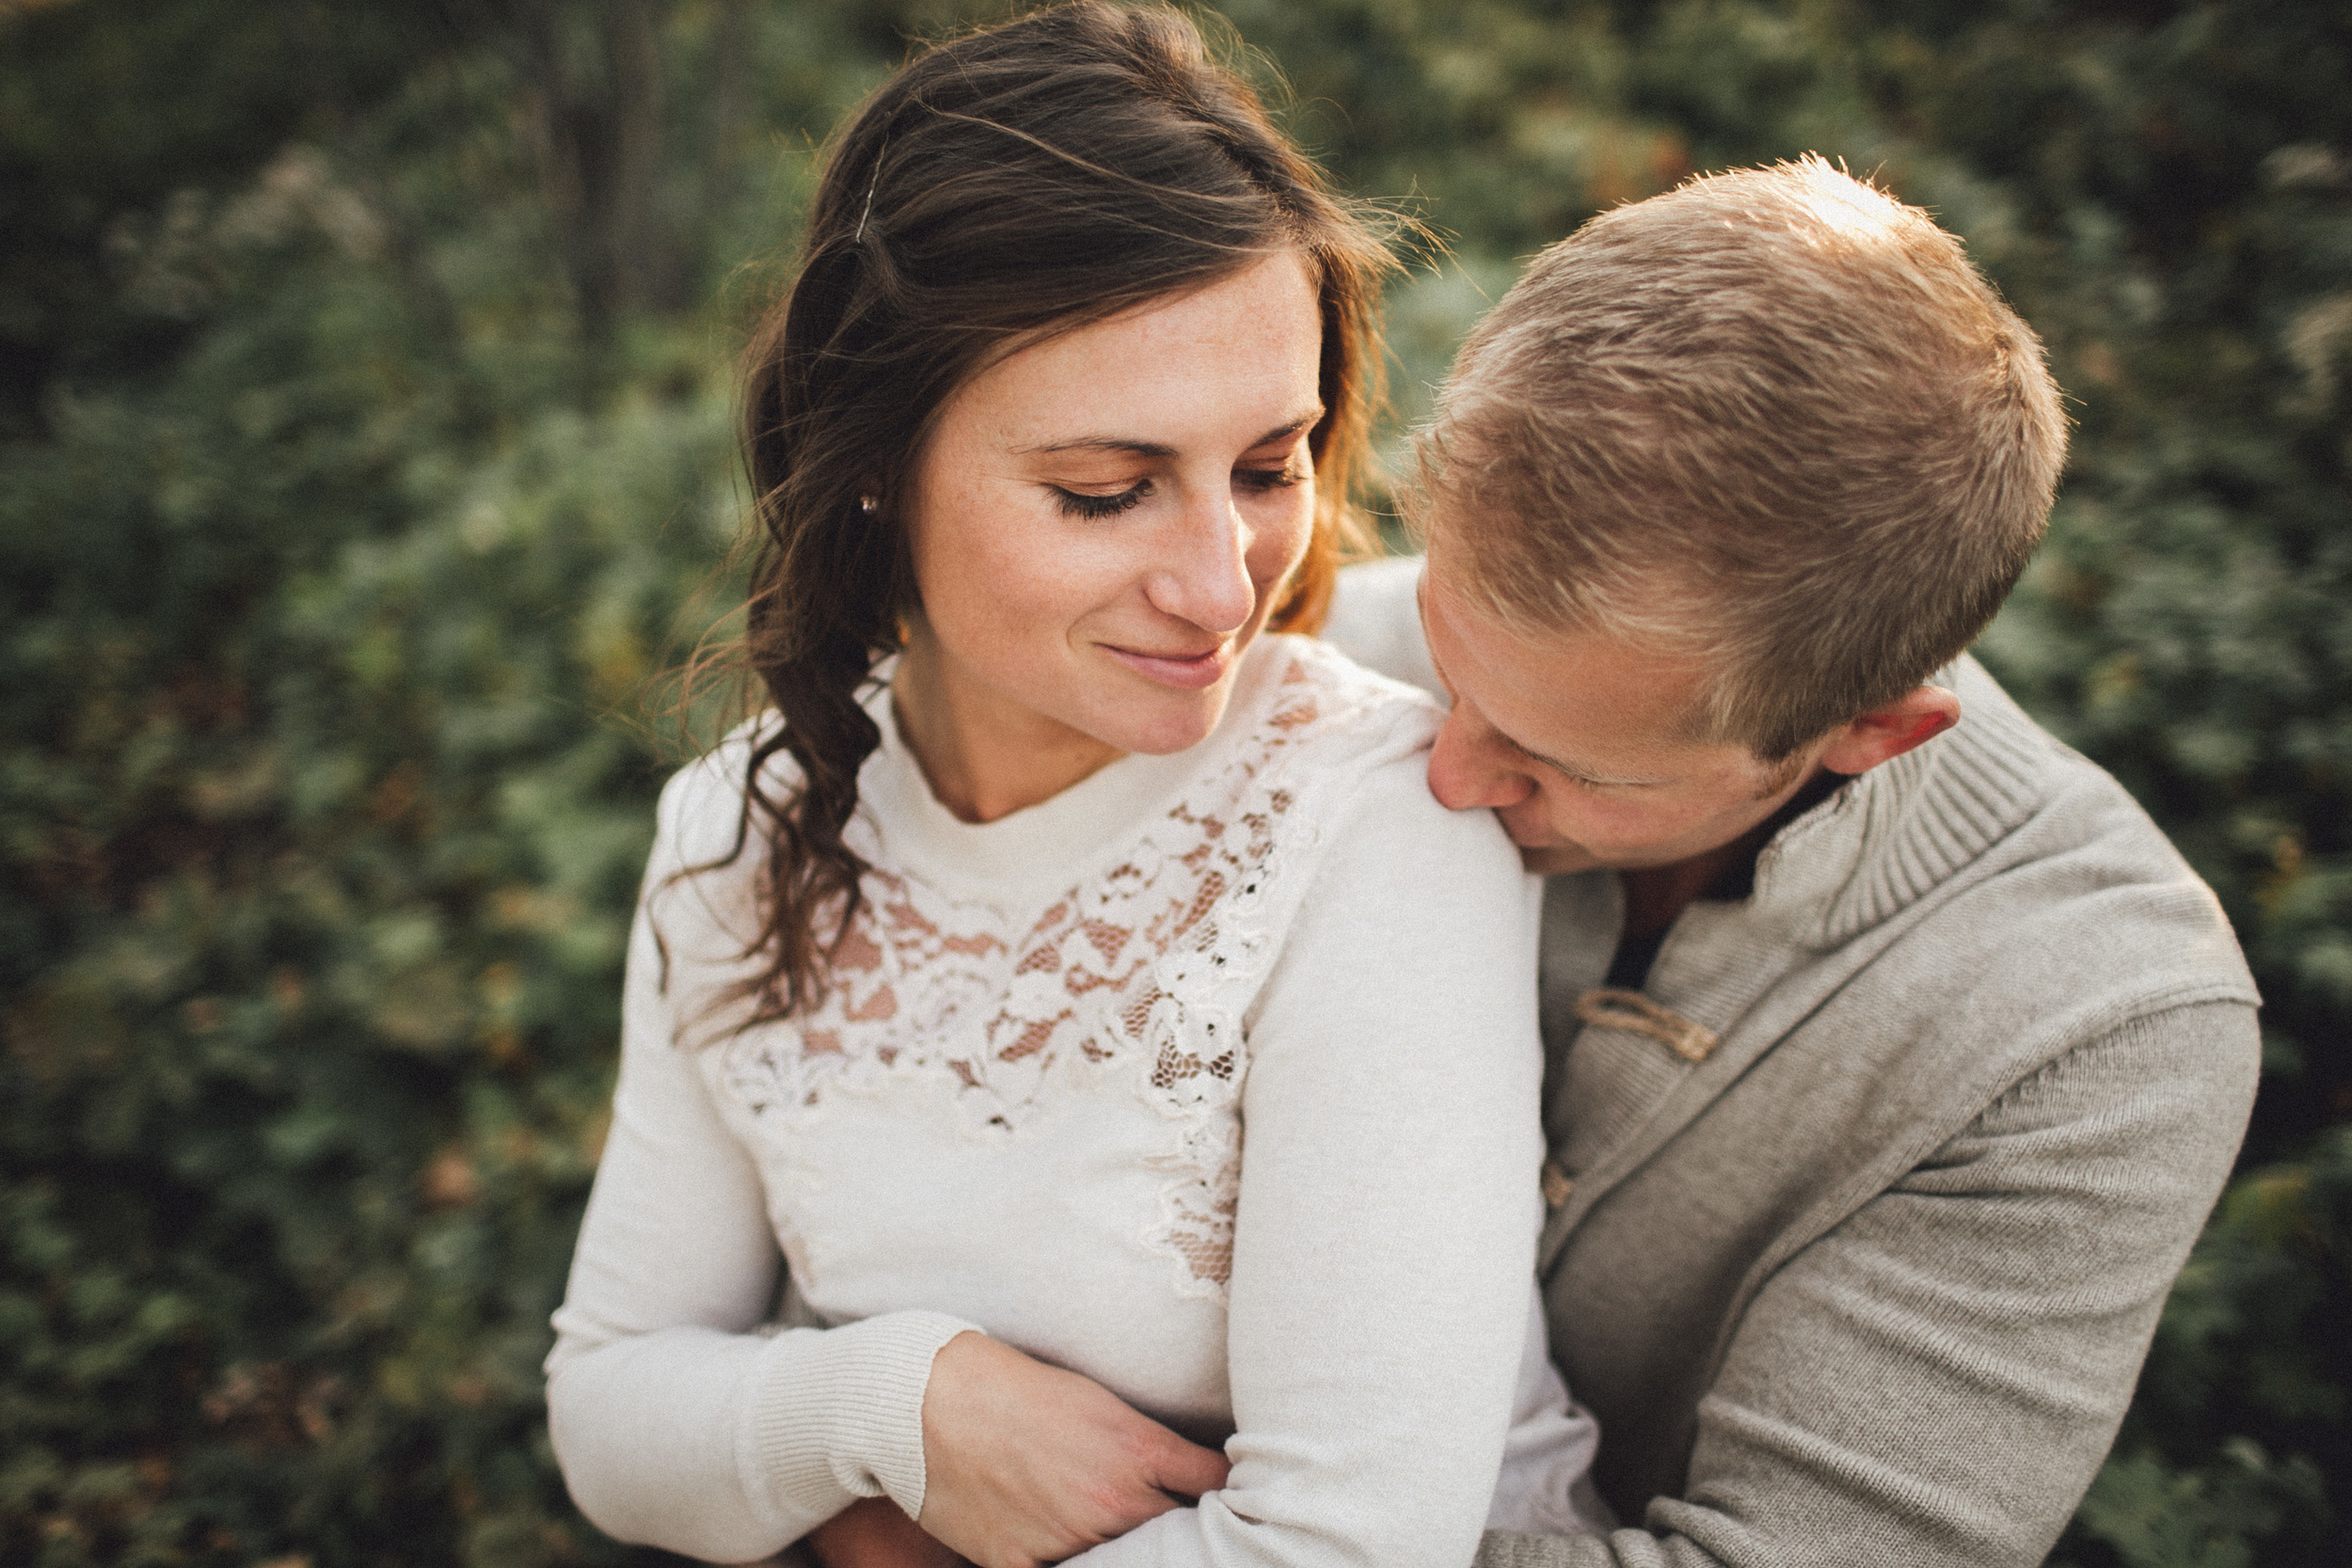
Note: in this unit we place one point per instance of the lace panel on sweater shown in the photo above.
(1146, 966)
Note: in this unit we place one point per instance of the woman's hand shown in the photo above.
(873, 1532)
(1028, 1464)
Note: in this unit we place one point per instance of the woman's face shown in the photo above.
(1101, 523)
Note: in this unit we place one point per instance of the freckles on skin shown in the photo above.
(1099, 524)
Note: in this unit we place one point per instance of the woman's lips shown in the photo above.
(1187, 672)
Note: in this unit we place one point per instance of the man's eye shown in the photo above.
(1075, 503)
(1578, 781)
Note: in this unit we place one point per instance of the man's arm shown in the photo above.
(1935, 1382)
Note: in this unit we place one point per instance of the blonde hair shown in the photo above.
(1772, 418)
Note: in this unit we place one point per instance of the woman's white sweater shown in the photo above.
(1022, 1109)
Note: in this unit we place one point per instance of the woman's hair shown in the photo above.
(1017, 182)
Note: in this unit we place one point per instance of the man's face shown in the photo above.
(1575, 740)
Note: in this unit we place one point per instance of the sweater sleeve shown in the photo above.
(1936, 1381)
(1376, 621)
(675, 1423)
(1389, 1205)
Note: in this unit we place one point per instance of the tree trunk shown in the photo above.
(597, 108)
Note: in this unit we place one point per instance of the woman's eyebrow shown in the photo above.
(1283, 432)
(1133, 448)
(1101, 443)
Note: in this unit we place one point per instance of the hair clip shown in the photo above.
(870, 187)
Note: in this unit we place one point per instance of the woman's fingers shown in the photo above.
(1028, 1464)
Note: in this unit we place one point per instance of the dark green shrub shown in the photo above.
(359, 454)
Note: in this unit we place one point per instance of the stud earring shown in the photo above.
(868, 505)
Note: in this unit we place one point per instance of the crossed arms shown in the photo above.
(1933, 1381)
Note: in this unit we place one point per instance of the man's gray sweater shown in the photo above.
(1862, 1209)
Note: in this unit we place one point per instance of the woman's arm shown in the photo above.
(1389, 1204)
(675, 1424)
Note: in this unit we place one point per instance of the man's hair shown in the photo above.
(1772, 418)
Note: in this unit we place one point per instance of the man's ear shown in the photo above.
(1886, 732)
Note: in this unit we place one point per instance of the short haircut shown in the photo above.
(1772, 418)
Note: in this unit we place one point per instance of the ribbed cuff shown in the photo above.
(839, 1414)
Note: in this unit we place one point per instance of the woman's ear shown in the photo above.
(1886, 732)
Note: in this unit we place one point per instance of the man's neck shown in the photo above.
(1655, 897)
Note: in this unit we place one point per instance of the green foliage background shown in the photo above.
(363, 443)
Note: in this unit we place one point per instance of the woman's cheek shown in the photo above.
(1281, 545)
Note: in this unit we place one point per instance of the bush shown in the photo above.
(366, 440)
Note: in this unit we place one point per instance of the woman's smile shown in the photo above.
(1127, 498)
(1184, 671)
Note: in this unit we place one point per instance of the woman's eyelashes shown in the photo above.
(1077, 503)
(1081, 503)
(1262, 480)
(1254, 481)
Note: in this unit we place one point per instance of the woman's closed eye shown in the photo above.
(1084, 503)
(1079, 504)
(1263, 479)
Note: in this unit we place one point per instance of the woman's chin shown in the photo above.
(1178, 722)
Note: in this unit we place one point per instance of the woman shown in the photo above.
(960, 972)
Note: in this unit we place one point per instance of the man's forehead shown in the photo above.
(1575, 688)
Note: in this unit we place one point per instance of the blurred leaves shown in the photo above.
(2257, 1337)
(364, 442)
(322, 807)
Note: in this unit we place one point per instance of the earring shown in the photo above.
(868, 505)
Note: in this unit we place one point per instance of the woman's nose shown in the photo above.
(1204, 577)
(1470, 767)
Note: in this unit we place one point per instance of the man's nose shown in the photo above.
(1204, 577)
(1469, 766)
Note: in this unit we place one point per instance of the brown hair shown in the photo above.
(1774, 419)
(1021, 180)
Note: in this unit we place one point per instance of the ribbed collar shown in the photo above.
(1884, 840)
(1034, 851)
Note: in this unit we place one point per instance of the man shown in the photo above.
(1895, 1058)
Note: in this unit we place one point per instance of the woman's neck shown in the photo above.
(983, 754)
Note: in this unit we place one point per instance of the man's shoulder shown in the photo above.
(1957, 928)
(2084, 883)
(2074, 800)
(1953, 922)
(1995, 851)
